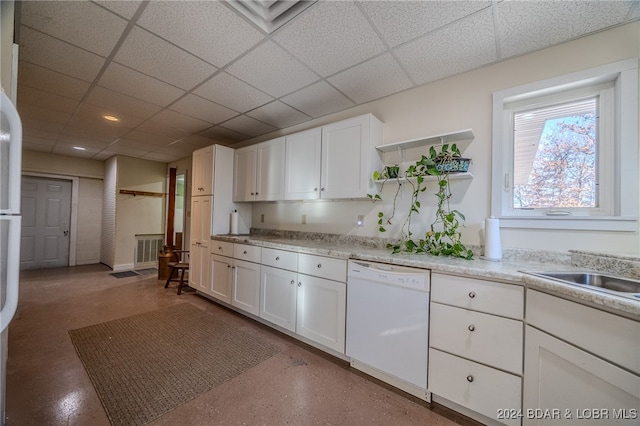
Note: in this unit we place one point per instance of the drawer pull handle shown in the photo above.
(277, 257)
(469, 378)
(472, 294)
(472, 327)
(319, 265)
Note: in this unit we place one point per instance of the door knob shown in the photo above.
(66, 232)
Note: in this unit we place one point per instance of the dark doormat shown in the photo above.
(124, 274)
(147, 271)
(145, 365)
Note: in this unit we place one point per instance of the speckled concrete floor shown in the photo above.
(47, 384)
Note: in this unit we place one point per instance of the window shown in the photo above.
(565, 151)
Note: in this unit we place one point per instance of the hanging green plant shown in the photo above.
(444, 236)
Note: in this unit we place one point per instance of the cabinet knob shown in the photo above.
(299, 284)
(277, 257)
(315, 189)
(472, 327)
(253, 193)
(469, 378)
(244, 252)
(219, 248)
(472, 294)
(293, 282)
(319, 265)
(321, 189)
(228, 266)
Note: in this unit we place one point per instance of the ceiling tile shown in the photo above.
(94, 144)
(248, 126)
(36, 144)
(39, 134)
(200, 108)
(273, 70)
(150, 138)
(120, 103)
(35, 76)
(401, 21)
(180, 122)
(39, 124)
(330, 36)
(40, 98)
(318, 99)
(48, 52)
(374, 79)
(136, 143)
(467, 44)
(528, 26)
(224, 136)
(83, 24)
(197, 141)
(126, 9)
(128, 81)
(122, 147)
(153, 56)
(163, 130)
(103, 155)
(89, 117)
(207, 21)
(87, 134)
(279, 115)
(62, 148)
(227, 90)
(48, 115)
(162, 158)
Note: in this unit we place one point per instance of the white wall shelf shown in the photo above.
(452, 176)
(460, 135)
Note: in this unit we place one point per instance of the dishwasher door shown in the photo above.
(388, 322)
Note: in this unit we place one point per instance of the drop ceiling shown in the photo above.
(181, 75)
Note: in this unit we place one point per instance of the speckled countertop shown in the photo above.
(508, 270)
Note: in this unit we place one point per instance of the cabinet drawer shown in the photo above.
(482, 389)
(479, 295)
(247, 252)
(606, 335)
(221, 248)
(323, 267)
(280, 259)
(484, 338)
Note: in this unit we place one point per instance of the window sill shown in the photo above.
(609, 223)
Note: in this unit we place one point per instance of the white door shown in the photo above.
(46, 220)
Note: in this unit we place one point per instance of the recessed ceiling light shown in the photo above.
(110, 118)
(80, 148)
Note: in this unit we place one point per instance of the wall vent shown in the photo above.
(148, 247)
(269, 15)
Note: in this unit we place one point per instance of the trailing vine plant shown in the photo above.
(444, 235)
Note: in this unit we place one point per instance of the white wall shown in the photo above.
(108, 228)
(460, 102)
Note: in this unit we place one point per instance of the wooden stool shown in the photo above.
(180, 268)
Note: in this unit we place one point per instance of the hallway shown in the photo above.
(47, 383)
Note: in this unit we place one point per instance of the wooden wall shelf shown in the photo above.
(143, 193)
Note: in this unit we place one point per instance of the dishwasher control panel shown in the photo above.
(402, 276)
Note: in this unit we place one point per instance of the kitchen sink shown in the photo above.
(597, 281)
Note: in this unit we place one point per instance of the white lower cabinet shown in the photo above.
(475, 341)
(581, 365)
(278, 301)
(246, 286)
(321, 306)
(221, 278)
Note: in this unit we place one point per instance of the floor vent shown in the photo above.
(269, 15)
(147, 248)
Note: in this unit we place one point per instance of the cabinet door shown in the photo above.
(321, 306)
(221, 278)
(302, 166)
(270, 163)
(196, 267)
(575, 386)
(200, 233)
(246, 286)
(202, 164)
(244, 174)
(278, 301)
(347, 153)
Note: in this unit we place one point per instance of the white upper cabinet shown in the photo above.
(202, 181)
(259, 172)
(335, 161)
(302, 167)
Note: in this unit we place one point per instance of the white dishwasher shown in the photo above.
(388, 324)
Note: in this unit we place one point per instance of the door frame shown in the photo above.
(73, 226)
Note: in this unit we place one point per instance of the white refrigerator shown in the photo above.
(10, 172)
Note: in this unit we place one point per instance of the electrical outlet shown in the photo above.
(304, 219)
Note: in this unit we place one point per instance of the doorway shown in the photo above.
(178, 224)
(46, 222)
